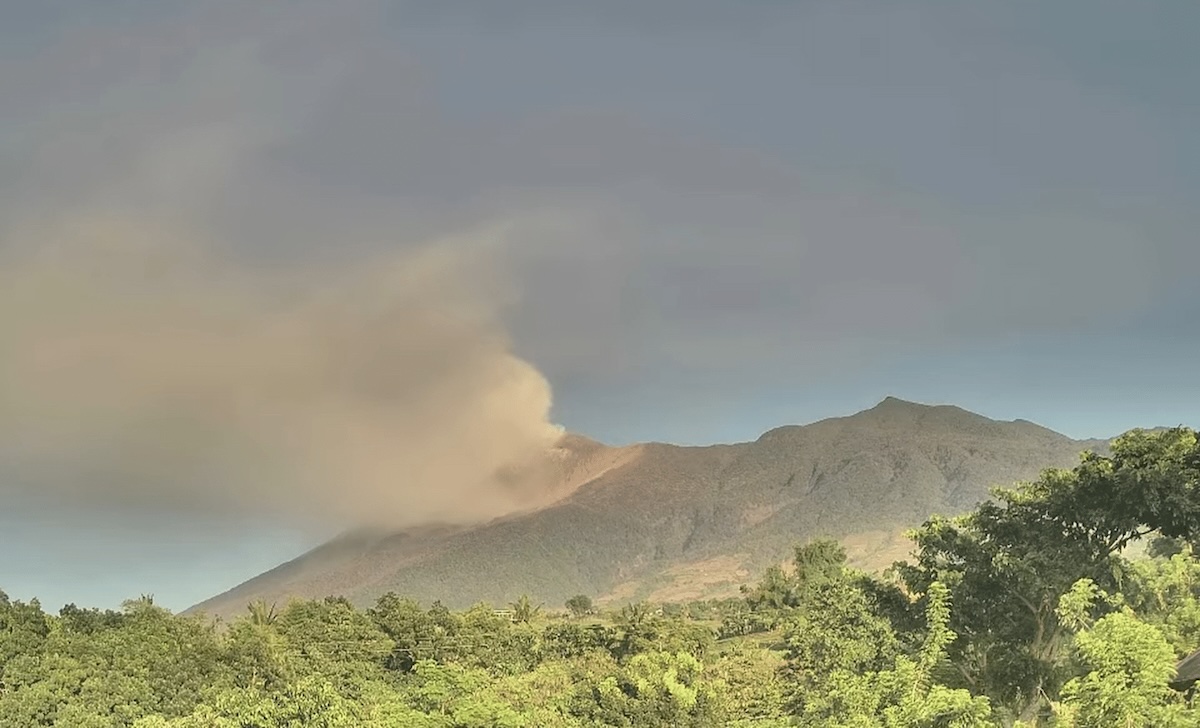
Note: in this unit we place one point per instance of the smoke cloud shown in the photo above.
(140, 368)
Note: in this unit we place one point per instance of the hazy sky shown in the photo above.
(260, 261)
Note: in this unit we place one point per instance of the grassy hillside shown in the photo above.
(672, 523)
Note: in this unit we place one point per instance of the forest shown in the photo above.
(1065, 601)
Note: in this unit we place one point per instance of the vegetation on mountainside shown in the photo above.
(1024, 612)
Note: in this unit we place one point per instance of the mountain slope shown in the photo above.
(668, 522)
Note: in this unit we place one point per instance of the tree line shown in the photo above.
(1066, 601)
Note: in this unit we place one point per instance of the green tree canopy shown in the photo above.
(1009, 562)
(579, 605)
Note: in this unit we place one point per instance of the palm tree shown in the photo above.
(261, 615)
(524, 609)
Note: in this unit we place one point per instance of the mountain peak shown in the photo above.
(891, 411)
(896, 412)
(672, 523)
(894, 406)
(890, 402)
(577, 442)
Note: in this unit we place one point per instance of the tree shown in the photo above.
(903, 693)
(24, 627)
(90, 620)
(147, 662)
(819, 562)
(1009, 562)
(637, 629)
(332, 638)
(1125, 666)
(571, 639)
(651, 690)
(834, 630)
(262, 615)
(524, 610)
(751, 684)
(579, 605)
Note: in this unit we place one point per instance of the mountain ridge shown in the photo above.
(664, 521)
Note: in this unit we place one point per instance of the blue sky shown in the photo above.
(693, 221)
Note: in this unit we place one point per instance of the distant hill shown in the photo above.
(673, 523)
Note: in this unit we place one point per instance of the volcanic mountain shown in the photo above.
(666, 522)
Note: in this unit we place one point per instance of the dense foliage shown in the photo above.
(1027, 611)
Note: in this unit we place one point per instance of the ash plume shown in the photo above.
(142, 368)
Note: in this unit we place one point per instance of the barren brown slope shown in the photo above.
(670, 522)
